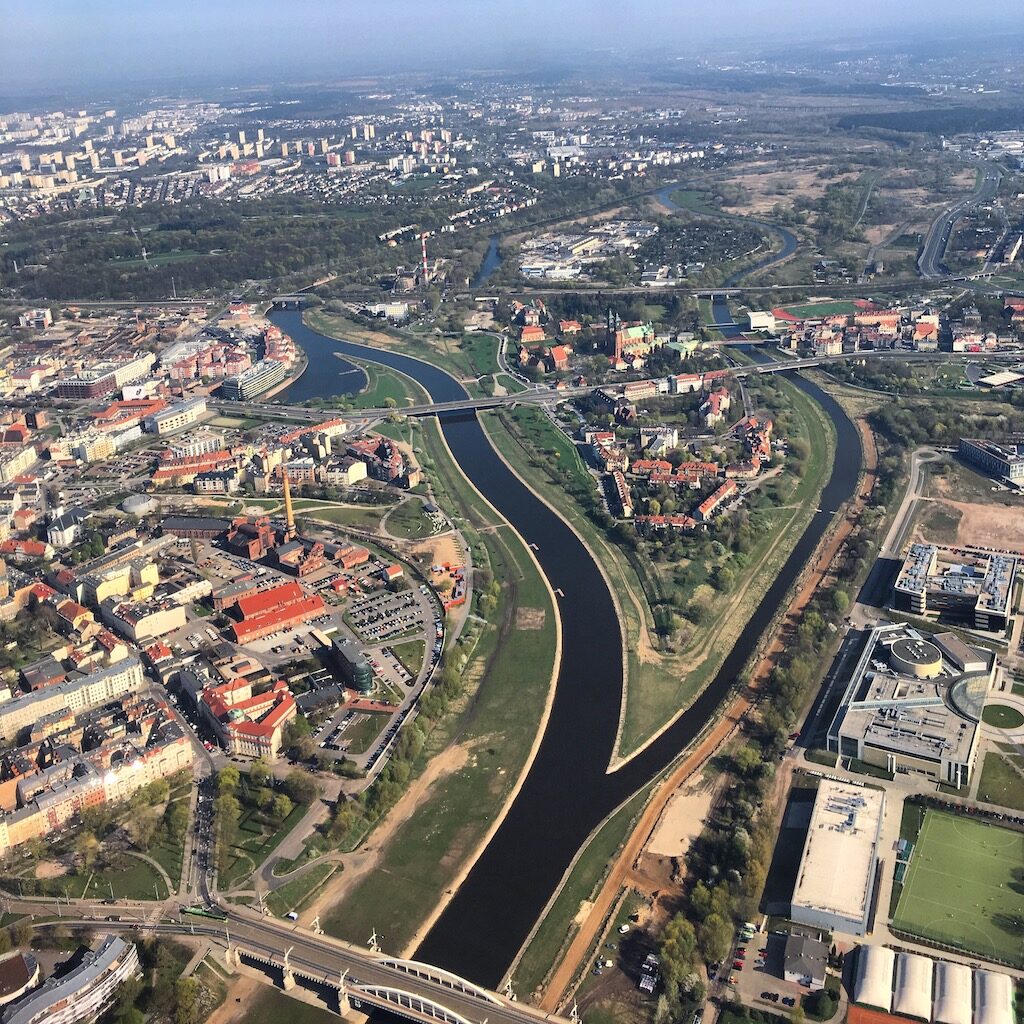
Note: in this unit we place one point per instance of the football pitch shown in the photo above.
(965, 887)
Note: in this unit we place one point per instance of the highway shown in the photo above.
(934, 250)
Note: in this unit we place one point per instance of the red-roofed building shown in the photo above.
(711, 506)
(25, 549)
(569, 327)
(531, 334)
(270, 610)
(249, 724)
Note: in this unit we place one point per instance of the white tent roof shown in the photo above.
(873, 982)
(913, 993)
(993, 998)
(952, 993)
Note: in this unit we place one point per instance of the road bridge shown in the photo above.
(349, 976)
(549, 396)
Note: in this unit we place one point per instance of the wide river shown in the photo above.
(568, 789)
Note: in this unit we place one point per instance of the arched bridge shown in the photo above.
(417, 991)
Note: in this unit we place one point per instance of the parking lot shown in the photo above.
(759, 980)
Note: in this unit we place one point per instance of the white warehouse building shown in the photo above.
(872, 984)
(843, 831)
(912, 996)
(952, 993)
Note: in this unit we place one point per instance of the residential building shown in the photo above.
(84, 992)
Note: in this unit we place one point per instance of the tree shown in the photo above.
(300, 787)
(186, 1000)
(747, 760)
(259, 772)
(228, 779)
(840, 601)
(715, 937)
(87, 847)
(281, 807)
(678, 946)
(142, 826)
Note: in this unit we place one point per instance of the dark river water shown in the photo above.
(568, 790)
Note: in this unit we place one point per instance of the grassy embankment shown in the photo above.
(487, 739)
(557, 928)
(468, 357)
(662, 683)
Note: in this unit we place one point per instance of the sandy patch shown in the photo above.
(357, 864)
(682, 821)
(50, 869)
(530, 618)
(439, 550)
(999, 526)
(583, 913)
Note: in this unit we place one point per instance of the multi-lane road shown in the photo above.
(934, 250)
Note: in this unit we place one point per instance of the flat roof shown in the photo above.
(839, 854)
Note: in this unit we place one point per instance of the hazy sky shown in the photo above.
(63, 44)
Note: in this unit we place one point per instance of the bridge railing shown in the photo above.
(441, 977)
(397, 1000)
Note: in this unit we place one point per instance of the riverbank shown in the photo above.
(423, 856)
(567, 792)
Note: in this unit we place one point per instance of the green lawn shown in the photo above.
(409, 521)
(294, 895)
(410, 654)
(272, 1006)
(963, 887)
(360, 517)
(1001, 783)
(363, 731)
(258, 837)
(1002, 716)
(507, 677)
(131, 879)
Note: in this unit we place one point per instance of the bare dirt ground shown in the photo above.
(441, 550)
(365, 860)
(50, 869)
(243, 988)
(682, 821)
(769, 188)
(1000, 527)
(530, 618)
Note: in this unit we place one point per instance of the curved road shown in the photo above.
(929, 263)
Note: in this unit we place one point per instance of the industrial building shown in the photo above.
(845, 825)
(1003, 460)
(972, 585)
(913, 704)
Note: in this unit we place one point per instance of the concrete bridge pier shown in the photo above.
(287, 979)
(231, 958)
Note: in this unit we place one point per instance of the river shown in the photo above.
(567, 791)
(492, 260)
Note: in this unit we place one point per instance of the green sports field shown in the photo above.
(965, 887)
(812, 309)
